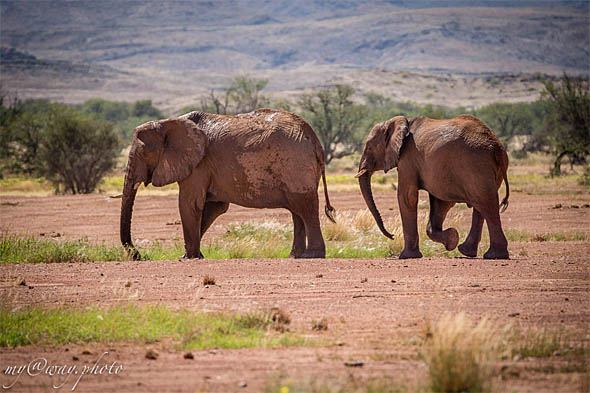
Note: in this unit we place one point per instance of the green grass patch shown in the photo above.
(14, 249)
(354, 236)
(25, 185)
(143, 324)
(515, 235)
(352, 384)
(545, 343)
(542, 184)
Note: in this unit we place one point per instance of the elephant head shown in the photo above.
(381, 152)
(162, 152)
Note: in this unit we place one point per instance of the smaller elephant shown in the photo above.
(456, 160)
(262, 159)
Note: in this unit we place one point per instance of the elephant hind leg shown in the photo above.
(469, 246)
(498, 243)
(298, 237)
(306, 206)
(438, 212)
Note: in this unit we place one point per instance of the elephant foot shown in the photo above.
(190, 256)
(452, 239)
(496, 254)
(296, 254)
(313, 254)
(469, 250)
(407, 254)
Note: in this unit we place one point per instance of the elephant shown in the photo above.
(458, 160)
(263, 159)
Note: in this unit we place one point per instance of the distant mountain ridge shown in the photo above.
(314, 41)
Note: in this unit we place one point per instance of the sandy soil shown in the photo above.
(377, 321)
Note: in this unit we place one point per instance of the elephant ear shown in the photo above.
(184, 146)
(396, 130)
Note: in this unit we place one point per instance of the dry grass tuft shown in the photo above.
(208, 280)
(459, 354)
(339, 231)
(280, 319)
(321, 325)
(363, 221)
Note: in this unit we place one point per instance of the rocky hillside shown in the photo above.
(174, 51)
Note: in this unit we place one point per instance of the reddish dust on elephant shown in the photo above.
(262, 159)
(456, 160)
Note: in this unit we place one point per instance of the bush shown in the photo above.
(585, 178)
(335, 118)
(568, 127)
(519, 154)
(77, 152)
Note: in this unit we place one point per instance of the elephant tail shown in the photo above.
(505, 202)
(329, 208)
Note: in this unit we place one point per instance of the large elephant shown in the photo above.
(456, 160)
(263, 159)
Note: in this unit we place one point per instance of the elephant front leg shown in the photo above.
(407, 197)
(191, 213)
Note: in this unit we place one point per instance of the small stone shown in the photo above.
(243, 384)
(354, 364)
(75, 358)
(128, 284)
(189, 355)
(151, 354)
(514, 314)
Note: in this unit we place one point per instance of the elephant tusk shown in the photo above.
(361, 172)
(136, 186)
(116, 196)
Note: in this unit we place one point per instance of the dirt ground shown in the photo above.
(375, 321)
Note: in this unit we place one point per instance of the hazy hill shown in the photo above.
(175, 51)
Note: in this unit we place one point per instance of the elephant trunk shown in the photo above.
(365, 184)
(129, 192)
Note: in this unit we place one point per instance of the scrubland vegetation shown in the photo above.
(144, 325)
(75, 147)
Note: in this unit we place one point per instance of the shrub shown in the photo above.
(77, 152)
